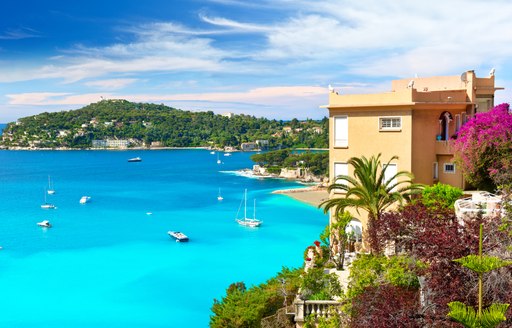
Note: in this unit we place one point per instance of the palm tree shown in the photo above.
(370, 190)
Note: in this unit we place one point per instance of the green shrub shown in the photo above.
(440, 196)
(318, 285)
(371, 271)
(242, 307)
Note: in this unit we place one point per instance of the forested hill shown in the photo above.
(146, 124)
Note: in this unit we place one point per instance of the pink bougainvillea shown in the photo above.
(484, 146)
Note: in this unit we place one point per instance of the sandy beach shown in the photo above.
(310, 195)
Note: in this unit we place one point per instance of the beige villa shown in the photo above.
(417, 121)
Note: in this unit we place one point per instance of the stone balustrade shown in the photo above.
(317, 309)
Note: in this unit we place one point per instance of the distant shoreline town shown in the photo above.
(120, 124)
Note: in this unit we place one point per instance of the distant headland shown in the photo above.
(120, 124)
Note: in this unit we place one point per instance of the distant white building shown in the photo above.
(99, 144)
(248, 146)
(117, 143)
(228, 114)
(111, 143)
(262, 144)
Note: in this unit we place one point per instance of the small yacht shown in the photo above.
(50, 190)
(179, 236)
(85, 199)
(219, 197)
(46, 205)
(227, 154)
(245, 221)
(135, 159)
(212, 152)
(44, 224)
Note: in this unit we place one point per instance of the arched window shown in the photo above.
(444, 125)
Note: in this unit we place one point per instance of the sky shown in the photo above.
(266, 58)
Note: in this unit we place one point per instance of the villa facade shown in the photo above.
(416, 121)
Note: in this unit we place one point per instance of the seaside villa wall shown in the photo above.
(416, 121)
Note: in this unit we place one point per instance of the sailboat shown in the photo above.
(47, 205)
(50, 190)
(218, 159)
(245, 221)
(219, 197)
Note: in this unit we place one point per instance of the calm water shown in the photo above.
(109, 264)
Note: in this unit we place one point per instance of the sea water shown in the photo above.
(110, 262)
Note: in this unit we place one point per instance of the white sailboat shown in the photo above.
(47, 205)
(218, 159)
(50, 190)
(245, 221)
(219, 197)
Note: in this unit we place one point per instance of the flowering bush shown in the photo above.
(484, 146)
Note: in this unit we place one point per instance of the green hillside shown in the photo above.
(145, 125)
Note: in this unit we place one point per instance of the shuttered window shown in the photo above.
(340, 131)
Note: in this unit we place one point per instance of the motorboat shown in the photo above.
(179, 236)
(85, 199)
(44, 224)
(227, 154)
(135, 159)
(245, 221)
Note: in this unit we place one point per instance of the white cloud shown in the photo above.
(112, 84)
(19, 33)
(35, 98)
(282, 98)
(245, 27)
(302, 42)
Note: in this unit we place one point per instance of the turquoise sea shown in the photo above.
(110, 264)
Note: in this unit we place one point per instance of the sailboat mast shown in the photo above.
(245, 205)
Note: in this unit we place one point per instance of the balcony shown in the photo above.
(444, 147)
(316, 309)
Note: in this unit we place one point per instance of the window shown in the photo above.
(449, 168)
(457, 123)
(340, 169)
(390, 123)
(435, 171)
(341, 131)
(389, 173)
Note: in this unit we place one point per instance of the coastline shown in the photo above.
(313, 196)
(114, 149)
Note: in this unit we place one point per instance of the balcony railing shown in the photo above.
(316, 309)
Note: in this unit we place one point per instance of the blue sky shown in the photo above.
(270, 58)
